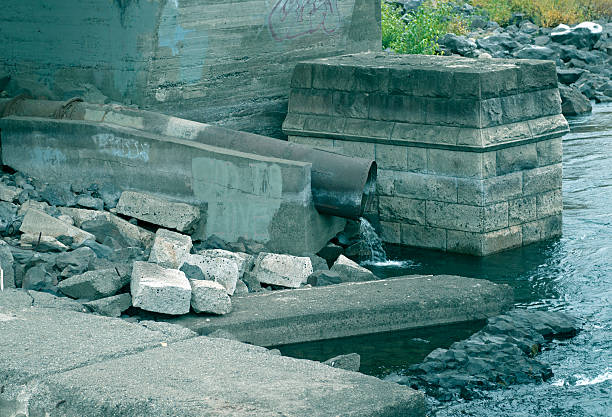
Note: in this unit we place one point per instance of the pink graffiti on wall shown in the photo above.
(291, 19)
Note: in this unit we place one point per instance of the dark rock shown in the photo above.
(8, 217)
(109, 194)
(359, 251)
(498, 46)
(101, 251)
(58, 195)
(4, 80)
(323, 278)
(499, 355)
(457, 44)
(573, 102)
(94, 285)
(318, 263)
(38, 279)
(349, 235)
(350, 362)
(251, 282)
(102, 229)
(110, 306)
(536, 52)
(74, 262)
(88, 201)
(478, 22)
(569, 76)
(584, 35)
(192, 271)
(542, 40)
(212, 242)
(528, 27)
(330, 253)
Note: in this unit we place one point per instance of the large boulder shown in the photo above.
(282, 270)
(93, 285)
(222, 270)
(38, 278)
(58, 195)
(536, 52)
(158, 289)
(457, 44)
(573, 102)
(351, 271)
(179, 216)
(583, 35)
(170, 248)
(9, 193)
(209, 297)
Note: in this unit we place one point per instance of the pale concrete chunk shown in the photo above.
(35, 222)
(93, 285)
(218, 269)
(9, 193)
(170, 248)
(244, 260)
(351, 271)
(44, 244)
(180, 216)
(283, 270)
(38, 205)
(160, 290)
(209, 297)
(110, 306)
(350, 362)
(128, 230)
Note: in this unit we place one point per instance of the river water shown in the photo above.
(571, 274)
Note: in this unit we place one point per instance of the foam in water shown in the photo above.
(378, 256)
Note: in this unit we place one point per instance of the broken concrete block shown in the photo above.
(9, 193)
(350, 362)
(58, 195)
(170, 248)
(110, 306)
(93, 285)
(128, 230)
(90, 202)
(74, 262)
(350, 271)
(35, 222)
(219, 269)
(159, 289)
(244, 260)
(283, 270)
(180, 216)
(209, 297)
(28, 204)
(41, 243)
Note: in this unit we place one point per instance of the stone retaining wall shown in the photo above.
(469, 151)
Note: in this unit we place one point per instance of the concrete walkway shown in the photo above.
(63, 363)
(350, 309)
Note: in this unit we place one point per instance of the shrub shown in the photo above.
(418, 31)
(547, 13)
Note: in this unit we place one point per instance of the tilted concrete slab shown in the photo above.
(64, 363)
(350, 309)
(268, 200)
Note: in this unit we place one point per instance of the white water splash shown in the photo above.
(378, 256)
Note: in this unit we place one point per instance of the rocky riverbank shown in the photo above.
(583, 53)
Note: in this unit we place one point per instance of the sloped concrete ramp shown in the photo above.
(63, 363)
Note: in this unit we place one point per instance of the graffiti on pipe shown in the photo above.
(292, 19)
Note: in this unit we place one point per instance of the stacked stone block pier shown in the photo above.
(469, 151)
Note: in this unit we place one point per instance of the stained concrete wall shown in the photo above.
(228, 62)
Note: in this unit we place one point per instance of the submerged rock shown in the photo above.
(501, 354)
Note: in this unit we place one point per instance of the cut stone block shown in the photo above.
(283, 270)
(221, 270)
(180, 216)
(35, 222)
(209, 297)
(351, 271)
(159, 289)
(110, 306)
(170, 248)
(244, 260)
(93, 285)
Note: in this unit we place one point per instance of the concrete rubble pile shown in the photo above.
(98, 250)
